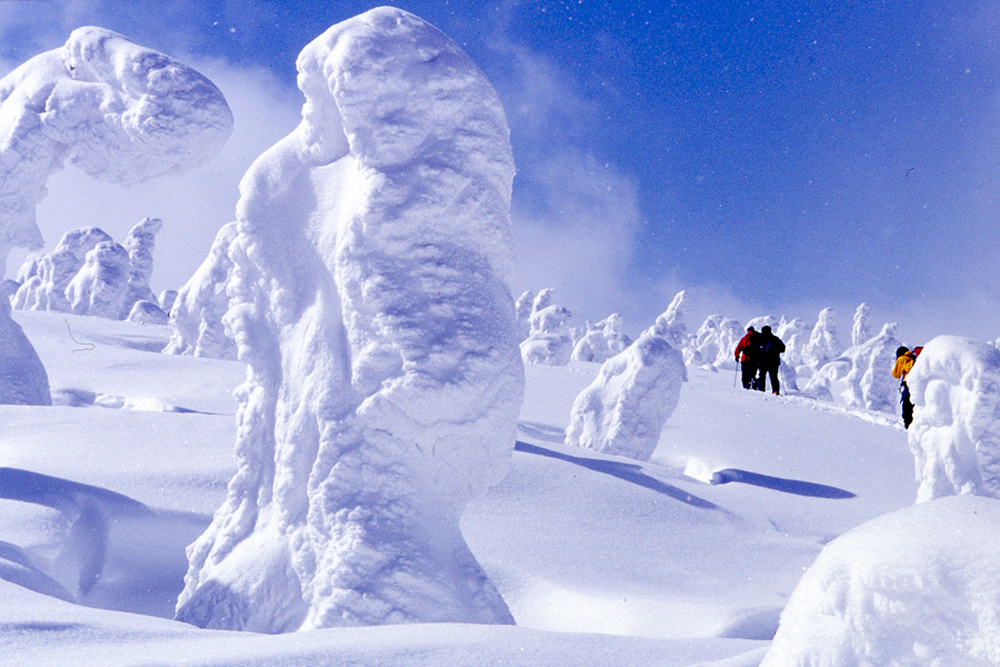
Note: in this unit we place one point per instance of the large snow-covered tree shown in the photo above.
(370, 297)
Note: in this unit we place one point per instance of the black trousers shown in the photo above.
(766, 371)
(749, 374)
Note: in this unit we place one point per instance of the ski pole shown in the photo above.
(738, 364)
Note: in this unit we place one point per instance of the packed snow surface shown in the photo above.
(119, 111)
(369, 295)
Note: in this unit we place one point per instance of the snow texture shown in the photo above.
(119, 111)
(23, 380)
(955, 434)
(199, 306)
(370, 298)
(623, 411)
(523, 306)
(670, 324)
(602, 340)
(794, 334)
(919, 586)
(870, 384)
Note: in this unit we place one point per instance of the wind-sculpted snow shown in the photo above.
(824, 345)
(140, 244)
(46, 278)
(370, 298)
(197, 310)
(955, 434)
(23, 380)
(119, 111)
(919, 586)
(623, 411)
(99, 288)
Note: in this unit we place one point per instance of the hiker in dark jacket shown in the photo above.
(769, 349)
(746, 358)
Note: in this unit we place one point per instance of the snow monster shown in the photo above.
(370, 297)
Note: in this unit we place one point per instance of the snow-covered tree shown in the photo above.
(730, 333)
(823, 345)
(47, 277)
(955, 434)
(670, 324)
(523, 306)
(23, 380)
(795, 335)
(384, 377)
(602, 341)
(550, 340)
(119, 111)
(861, 330)
(197, 311)
(140, 243)
(870, 384)
(623, 411)
(99, 288)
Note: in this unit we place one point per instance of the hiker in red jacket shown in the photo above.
(745, 356)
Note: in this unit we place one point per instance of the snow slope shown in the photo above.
(601, 560)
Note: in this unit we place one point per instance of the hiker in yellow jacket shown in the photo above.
(904, 362)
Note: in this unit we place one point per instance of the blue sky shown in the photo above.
(770, 157)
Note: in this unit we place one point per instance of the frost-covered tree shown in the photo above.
(795, 335)
(523, 306)
(140, 243)
(119, 111)
(99, 288)
(602, 341)
(955, 434)
(670, 325)
(623, 411)
(861, 330)
(370, 298)
(550, 339)
(823, 345)
(23, 380)
(730, 333)
(197, 311)
(870, 384)
(47, 277)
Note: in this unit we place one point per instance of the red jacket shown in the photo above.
(743, 346)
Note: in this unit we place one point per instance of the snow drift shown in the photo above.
(919, 586)
(955, 434)
(370, 298)
(121, 112)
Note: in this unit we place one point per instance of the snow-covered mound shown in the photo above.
(919, 586)
(370, 297)
(623, 411)
(147, 312)
(121, 112)
(197, 310)
(23, 380)
(955, 434)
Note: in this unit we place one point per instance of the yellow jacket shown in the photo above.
(904, 363)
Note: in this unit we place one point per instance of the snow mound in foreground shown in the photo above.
(23, 380)
(955, 434)
(370, 297)
(119, 111)
(920, 586)
(623, 411)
